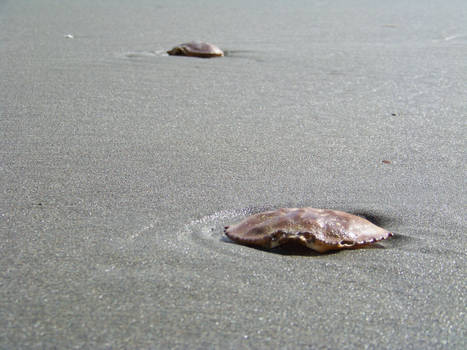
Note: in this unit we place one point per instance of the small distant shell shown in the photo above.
(319, 229)
(196, 49)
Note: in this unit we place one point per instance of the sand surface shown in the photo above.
(120, 165)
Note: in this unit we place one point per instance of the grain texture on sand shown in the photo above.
(120, 171)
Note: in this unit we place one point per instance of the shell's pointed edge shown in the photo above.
(374, 240)
(322, 230)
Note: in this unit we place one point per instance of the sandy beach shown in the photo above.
(120, 166)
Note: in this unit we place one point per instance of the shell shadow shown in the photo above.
(291, 248)
(228, 52)
(296, 249)
(243, 54)
(374, 217)
(398, 240)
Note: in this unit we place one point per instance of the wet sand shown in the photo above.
(120, 166)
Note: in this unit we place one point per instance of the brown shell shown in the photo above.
(319, 229)
(196, 49)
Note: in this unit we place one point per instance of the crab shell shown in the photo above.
(196, 49)
(319, 229)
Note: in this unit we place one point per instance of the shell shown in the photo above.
(319, 229)
(196, 49)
